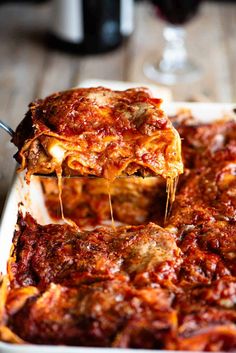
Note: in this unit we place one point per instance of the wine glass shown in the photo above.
(174, 66)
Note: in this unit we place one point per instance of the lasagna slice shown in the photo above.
(102, 287)
(57, 253)
(98, 132)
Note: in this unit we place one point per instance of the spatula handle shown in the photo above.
(7, 128)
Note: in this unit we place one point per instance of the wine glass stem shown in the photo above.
(174, 54)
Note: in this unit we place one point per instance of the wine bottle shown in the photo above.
(90, 26)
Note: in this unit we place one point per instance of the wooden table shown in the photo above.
(29, 69)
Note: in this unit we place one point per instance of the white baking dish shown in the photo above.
(32, 197)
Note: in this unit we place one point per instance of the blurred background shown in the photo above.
(185, 46)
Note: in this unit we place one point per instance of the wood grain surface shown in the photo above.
(29, 69)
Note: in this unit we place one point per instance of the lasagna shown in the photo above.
(98, 132)
(102, 287)
(165, 286)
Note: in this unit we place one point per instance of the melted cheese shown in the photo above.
(57, 152)
(171, 185)
(110, 203)
(65, 219)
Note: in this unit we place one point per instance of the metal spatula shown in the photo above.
(7, 128)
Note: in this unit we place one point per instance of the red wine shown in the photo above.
(176, 12)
